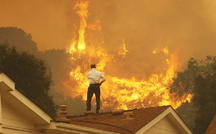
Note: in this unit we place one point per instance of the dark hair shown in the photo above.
(93, 65)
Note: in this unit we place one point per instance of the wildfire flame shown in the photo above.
(123, 50)
(82, 10)
(119, 93)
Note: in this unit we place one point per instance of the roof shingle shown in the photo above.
(127, 122)
(212, 127)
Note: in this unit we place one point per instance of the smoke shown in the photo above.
(46, 20)
(149, 24)
(186, 27)
(145, 24)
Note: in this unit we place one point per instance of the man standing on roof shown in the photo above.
(96, 78)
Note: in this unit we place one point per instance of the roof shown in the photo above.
(135, 121)
(212, 127)
(39, 118)
(19, 101)
(126, 122)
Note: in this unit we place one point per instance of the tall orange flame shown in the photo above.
(82, 11)
(123, 50)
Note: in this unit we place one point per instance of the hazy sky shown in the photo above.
(187, 26)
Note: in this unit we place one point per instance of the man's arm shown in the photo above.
(103, 79)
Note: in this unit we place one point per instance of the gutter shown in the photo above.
(75, 128)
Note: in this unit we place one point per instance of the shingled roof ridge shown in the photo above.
(110, 112)
(91, 119)
(155, 107)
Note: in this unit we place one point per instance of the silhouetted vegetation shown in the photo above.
(30, 74)
(15, 37)
(199, 78)
(58, 61)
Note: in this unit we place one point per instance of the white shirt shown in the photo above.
(95, 76)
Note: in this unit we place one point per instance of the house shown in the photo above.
(212, 127)
(18, 115)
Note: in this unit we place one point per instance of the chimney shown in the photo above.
(62, 113)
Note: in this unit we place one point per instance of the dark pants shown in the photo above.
(93, 89)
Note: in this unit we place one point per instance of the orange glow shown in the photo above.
(117, 92)
(164, 50)
(123, 50)
(96, 26)
(82, 10)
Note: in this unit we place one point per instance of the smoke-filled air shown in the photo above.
(138, 45)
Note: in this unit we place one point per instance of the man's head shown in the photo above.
(93, 65)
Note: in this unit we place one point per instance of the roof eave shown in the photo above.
(8, 86)
(171, 111)
(76, 128)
